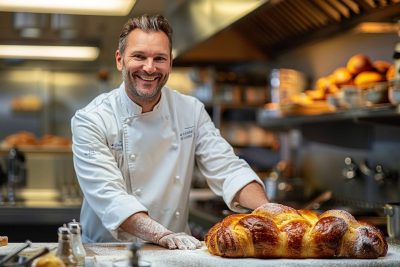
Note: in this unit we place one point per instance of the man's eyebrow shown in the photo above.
(143, 53)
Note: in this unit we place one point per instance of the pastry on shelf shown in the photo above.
(20, 139)
(54, 141)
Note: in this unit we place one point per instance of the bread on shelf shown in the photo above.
(20, 139)
(50, 140)
(28, 140)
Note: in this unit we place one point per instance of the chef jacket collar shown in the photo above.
(132, 108)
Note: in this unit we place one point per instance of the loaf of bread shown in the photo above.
(3, 241)
(50, 140)
(21, 139)
(278, 231)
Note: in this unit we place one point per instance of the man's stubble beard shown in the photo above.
(137, 94)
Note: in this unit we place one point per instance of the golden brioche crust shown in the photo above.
(275, 231)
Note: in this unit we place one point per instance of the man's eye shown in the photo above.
(138, 57)
(160, 59)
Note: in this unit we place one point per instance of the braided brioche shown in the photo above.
(276, 231)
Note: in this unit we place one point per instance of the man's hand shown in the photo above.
(179, 241)
(142, 226)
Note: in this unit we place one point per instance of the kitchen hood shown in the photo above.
(197, 20)
(206, 31)
(270, 27)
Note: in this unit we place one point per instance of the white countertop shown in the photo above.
(105, 254)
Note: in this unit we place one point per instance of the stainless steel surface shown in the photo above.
(384, 114)
(16, 176)
(39, 212)
(50, 175)
(196, 21)
(392, 211)
(282, 24)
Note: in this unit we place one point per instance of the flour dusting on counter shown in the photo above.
(103, 255)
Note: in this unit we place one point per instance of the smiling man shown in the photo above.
(145, 64)
(135, 149)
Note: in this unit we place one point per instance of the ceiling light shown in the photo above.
(377, 27)
(74, 53)
(81, 7)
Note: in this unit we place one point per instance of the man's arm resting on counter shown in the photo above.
(251, 196)
(142, 226)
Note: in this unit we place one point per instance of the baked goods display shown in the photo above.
(278, 231)
(359, 72)
(50, 140)
(20, 139)
(24, 139)
(3, 241)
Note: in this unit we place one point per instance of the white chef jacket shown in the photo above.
(127, 161)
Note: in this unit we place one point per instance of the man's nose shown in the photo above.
(149, 66)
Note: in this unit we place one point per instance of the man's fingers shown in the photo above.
(180, 241)
(188, 243)
(196, 242)
(171, 244)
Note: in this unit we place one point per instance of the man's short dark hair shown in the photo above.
(146, 23)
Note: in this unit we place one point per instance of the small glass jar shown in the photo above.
(76, 242)
(64, 250)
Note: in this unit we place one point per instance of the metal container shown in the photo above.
(392, 211)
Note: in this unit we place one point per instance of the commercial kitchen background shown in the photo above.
(225, 52)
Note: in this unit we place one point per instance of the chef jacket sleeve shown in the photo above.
(100, 179)
(226, 173)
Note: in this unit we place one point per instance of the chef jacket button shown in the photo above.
(177, 178)
(174, 145)
(127, 120)
(177, 214)
(132, 157)
(137, 192)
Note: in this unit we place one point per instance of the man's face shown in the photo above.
(145, 66)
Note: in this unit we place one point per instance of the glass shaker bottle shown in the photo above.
(64, 250)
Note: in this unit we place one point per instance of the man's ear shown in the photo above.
(118, 60)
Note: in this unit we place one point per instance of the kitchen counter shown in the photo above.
(104, 254)
(19, 214)
(36, 219)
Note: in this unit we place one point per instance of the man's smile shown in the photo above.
(147, 78)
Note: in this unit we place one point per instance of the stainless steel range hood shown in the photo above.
(203, 32)
(197, 20)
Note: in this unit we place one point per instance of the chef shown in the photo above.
(135, 148)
